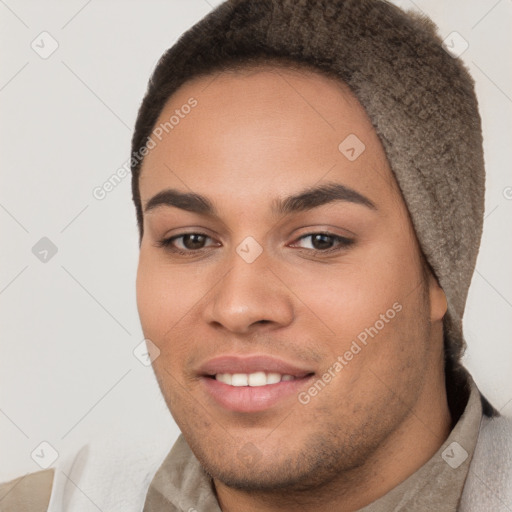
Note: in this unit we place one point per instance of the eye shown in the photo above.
(187, 242)
(323, 242)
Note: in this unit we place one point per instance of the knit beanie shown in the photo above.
(420, 99)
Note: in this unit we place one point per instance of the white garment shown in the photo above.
(107, 476)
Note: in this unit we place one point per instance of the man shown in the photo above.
(308, 179)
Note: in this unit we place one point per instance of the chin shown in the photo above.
(266, 479)
(312, 466)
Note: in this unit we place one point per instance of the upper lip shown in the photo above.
(251, 364)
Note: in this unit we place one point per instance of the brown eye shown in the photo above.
(323, 242)
(187, 242)
(193, 241)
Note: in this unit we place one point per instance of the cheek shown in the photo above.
(374, 298)
(169, 300)
(380, 339)
(161, 296)
(151, 296)
(353, 295)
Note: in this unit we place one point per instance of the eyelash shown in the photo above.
(343, 243)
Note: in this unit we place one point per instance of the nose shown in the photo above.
(249, 296)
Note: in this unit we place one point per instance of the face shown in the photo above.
(281, 280)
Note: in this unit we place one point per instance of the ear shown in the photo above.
(437, 297)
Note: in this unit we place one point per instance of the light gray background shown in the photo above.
(69, 326)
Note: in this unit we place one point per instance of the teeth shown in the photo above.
(257, 379)
(252, 379)
(239, 379)
(224, 377)
(273, 378)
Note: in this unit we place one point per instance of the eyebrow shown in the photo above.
(184, 200)
(307, 199)
(318, 196)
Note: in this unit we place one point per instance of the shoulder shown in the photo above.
(29, 492)
(489, 482)
(495, 440)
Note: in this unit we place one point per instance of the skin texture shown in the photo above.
(255, 136)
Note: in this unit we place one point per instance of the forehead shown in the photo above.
(267, 129)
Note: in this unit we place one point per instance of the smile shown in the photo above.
(252, 383)
(255, 379)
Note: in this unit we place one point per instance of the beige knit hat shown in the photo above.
(419, 98)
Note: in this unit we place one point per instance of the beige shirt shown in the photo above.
(180, 484)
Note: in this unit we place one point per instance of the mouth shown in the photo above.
(256, 379)
(251, 384)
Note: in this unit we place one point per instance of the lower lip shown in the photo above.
(252, 399)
